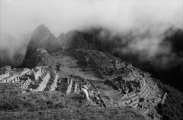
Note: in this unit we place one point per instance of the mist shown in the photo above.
(146, 20)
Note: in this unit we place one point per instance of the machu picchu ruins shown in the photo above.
(91, 59)
(103, 80)
(76, 78)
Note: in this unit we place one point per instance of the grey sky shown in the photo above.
(20, 17)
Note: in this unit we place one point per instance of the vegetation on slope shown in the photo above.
(172, 109)
(53, 105)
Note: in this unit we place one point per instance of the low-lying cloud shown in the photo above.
(147, 20)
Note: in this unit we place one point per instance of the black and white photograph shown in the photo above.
(91, 59)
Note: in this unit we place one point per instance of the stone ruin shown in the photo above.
(136, 89)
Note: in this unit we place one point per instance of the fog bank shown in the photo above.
(147, 20)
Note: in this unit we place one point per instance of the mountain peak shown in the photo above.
(41, 38)
(41, 26)
(41, 33)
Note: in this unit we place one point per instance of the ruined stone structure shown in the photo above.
(4, 75)
(135, 89)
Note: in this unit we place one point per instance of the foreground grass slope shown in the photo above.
(87, 113)
(53, 105)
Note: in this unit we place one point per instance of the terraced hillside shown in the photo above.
(103, 80)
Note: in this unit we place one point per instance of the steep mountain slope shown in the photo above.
(41, 38)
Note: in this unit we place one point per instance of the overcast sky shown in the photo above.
(18, 18)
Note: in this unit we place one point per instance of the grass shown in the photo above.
(53, 105)
(84, 113)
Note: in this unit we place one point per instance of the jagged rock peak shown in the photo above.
(42, 26)
(41, 38)
(42, 32)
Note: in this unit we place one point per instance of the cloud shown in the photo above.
(20, 17)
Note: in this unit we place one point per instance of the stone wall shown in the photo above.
(2, 76)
